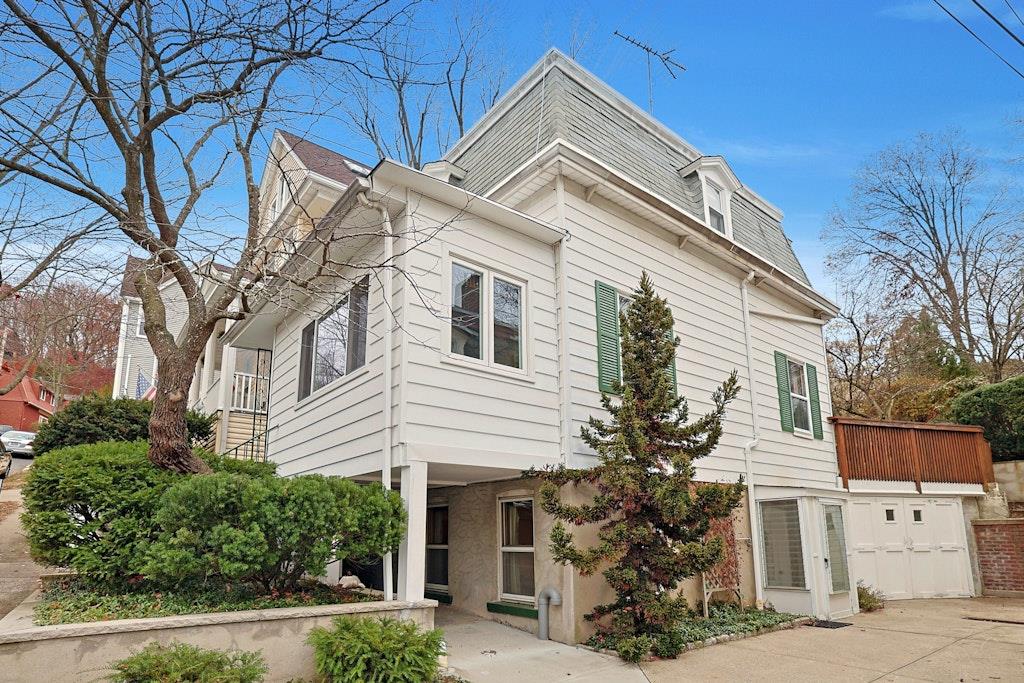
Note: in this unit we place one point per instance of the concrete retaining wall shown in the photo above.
(82, 652)
(1010, 476)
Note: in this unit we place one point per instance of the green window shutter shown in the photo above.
(782, 380)
(812, 388)
(608, 361)
(671, 370)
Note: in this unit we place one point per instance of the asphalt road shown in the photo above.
(20, 463)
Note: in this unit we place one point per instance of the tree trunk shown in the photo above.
(169, 445)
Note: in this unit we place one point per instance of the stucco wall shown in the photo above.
(84, 651)
(1010, 476)
(473, 557)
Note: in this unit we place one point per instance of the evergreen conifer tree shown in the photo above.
(654, 518)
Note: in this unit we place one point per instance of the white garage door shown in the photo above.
(910, 547)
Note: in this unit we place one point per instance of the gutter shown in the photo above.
(388, 292)
(752, 510)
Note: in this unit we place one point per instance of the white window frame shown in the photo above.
(725, 193)
(805, 397)
(344, 300)
(803, 544)
(281, 196)
(502, 549)
(441, 588)
(42, 394)
(488, 275)
(140, 322)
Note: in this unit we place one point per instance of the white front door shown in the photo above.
(836, 565)
(910, 546)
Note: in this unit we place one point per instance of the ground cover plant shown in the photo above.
(183, 663)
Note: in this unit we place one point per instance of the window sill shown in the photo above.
(786, 588)
(331, 388)
(480, 366)
(512, 609)
(441, 597)
(802, 434)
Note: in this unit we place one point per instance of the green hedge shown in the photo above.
(93, 507)
(372, 650)
(93, 419)
(999, 409)
(182, 663)
(269, 531)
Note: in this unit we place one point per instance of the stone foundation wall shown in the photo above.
(83, 652)
(1000, 555)
(1010, 476)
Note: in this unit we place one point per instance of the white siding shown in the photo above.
(703, 291)
(340, 421)
(458, 405)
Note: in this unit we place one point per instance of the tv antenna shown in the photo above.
(664, 56)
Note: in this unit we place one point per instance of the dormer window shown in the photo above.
(718, 184)
(716, 207)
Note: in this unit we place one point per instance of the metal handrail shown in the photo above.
(255, 449)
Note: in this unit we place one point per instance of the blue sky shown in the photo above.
(797, 95)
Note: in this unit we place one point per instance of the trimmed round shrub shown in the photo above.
(999, 409)
(375, 650)
(182, 663)
(269, 531)
(93, 419)
(92, 507)
(635, 648)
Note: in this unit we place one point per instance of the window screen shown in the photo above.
(783, 549)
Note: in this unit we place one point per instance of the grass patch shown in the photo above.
(73, 602)
(724, 619)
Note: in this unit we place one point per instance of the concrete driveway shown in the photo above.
(922, 640)
(482, 650)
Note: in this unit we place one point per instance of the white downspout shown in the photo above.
(388, 292)
(755, 518)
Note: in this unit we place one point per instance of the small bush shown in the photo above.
(372, 650)
(669, 645)
(634, 648)
(269, 531)
(870, 599)
(181, 663)
(999, 409)
(92, 507)
(93, 419)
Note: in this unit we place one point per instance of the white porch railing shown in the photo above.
(249, 392)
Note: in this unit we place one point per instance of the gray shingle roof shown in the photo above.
(566, 105)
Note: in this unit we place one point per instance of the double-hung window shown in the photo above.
(140, 323)
(517, 578)
(716, 206)
(487, 316)
(335, 344)
(437, 547)
(799, 403)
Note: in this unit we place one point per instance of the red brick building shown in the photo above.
(25, 406)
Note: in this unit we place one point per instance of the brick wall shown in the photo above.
(1000, 554)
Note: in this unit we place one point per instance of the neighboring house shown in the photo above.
(486, 347)
(26, 406)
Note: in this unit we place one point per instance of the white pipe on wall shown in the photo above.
(752, 511)
(388, 290)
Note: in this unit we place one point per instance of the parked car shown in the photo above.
(6, 428)
(5, 465)
(18, 443)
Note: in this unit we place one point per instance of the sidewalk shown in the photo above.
(18, 573)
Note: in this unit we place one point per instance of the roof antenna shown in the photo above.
(664, 56)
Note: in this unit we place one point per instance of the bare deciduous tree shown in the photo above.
(923, 218)
(413, 94)
(146, 108)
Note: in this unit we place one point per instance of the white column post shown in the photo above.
(227, 377)
(412, 554)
